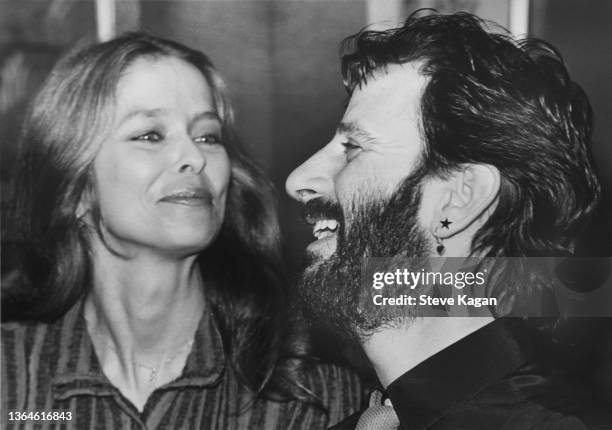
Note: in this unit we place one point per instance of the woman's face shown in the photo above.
(161, 175)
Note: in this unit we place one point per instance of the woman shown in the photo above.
(150, 276)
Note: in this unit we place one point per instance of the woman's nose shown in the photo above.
(191, 158)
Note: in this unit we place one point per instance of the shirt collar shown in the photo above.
(81, 373)
(427, 392)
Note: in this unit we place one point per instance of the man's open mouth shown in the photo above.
(324, 228)
(324, 217)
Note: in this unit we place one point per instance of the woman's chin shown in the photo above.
(187, 245)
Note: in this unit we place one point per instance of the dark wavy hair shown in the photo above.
(242, 268)
(494, 100)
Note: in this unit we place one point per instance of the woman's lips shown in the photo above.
(197, 197)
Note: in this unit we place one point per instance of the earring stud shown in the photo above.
(440, 249)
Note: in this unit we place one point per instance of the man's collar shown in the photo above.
(427, 392)
(81, 373)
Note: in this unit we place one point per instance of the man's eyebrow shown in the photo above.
(351, 129)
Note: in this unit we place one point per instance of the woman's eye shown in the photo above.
(350, 149)
(149, 136)
(210, 139)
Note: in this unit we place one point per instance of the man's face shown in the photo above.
(363, 194)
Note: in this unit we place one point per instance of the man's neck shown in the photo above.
(394, 351)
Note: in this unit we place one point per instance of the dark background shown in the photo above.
(281, 61)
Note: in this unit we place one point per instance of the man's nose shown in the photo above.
(312, 179)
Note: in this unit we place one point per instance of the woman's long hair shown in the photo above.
(242, 268)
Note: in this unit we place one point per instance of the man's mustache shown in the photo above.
(320, 208)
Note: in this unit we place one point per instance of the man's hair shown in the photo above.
(494, 100)
(61, 135)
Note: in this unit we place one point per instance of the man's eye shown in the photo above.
(210, 139)
(149, 136)
(350, 149)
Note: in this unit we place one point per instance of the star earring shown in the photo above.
(440, 248)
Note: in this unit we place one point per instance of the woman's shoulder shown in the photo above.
(19, 334)
(24, 343)
(332, 377)
(24, 338)
(17, 353)
(338, 388)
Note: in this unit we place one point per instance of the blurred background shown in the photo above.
(281, 61)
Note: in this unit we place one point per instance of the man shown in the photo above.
(456, 142)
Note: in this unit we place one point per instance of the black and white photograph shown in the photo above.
(306, 214)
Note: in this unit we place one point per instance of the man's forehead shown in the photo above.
(397, 90)
(403, 78)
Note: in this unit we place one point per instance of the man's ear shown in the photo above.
(470, 192)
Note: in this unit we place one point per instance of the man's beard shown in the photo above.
(331, 290)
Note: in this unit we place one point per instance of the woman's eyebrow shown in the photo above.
(206, 115)
(147, 113)
(158, 112)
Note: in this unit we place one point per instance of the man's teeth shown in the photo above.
(324, 228)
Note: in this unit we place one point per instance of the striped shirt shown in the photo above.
(53, 367)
